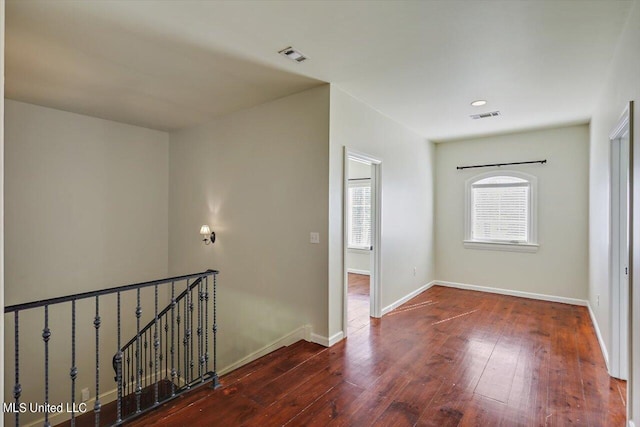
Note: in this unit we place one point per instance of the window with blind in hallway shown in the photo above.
(501, 212)
(359, 225)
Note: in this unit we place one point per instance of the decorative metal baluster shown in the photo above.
(161, 354)
(96, 324)
(119, 369)
(173, 369)
(132, 375)
(73, 372)
(200, 338)
(187, 334)
(216, 382)
(46, 334)
(129, 371)
(206, 323)
(138, 367)
(17, 388)
(156, 344)
(150, 356)
(145, 373)
(178, 342)
(191, 363)
(160, 344)
(166, 347)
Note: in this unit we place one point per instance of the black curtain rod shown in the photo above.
(502, 164)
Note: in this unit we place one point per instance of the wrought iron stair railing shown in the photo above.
(163, 359)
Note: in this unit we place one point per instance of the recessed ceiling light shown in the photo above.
(291, 53)
(478, 103)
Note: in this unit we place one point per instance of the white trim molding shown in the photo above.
(513, 293)
(499, 246)
(327, 341)
(407, 297)
(356, 271)
(603, 347)
(301, 333)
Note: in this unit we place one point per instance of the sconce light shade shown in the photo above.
(208, 235)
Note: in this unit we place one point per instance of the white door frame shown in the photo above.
(375, 302)
(620, 247)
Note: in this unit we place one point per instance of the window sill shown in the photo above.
(358, 250)
(498, 246)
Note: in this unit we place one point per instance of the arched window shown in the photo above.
(501, 211)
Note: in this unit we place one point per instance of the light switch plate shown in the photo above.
(314, 237)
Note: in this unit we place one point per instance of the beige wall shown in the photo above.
(407, 200)
(86, 208)
(87, 203)
(622, 86)
(559, 268)
(258, 178)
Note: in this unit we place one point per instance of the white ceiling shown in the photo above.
(173, 64)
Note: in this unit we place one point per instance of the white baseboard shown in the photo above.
(407, 297)
(327, 341)
(301, 333)
(356, 271)
(522, 294)
(603, 347)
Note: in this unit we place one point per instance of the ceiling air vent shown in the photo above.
(294, 55)
(485, 115)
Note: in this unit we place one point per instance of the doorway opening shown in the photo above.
(621, 159)
(362, 203)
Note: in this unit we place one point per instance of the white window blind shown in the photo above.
(359, 215)
(500, 209)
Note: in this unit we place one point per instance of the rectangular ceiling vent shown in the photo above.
(294, 55)
(485, 115)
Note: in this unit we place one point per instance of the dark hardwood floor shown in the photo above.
(358, 307)
(448, 357)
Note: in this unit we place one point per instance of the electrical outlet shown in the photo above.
(314, 237)
(86, 395)
(414, 270)
(598, 300)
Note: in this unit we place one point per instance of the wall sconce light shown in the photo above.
(209, 236)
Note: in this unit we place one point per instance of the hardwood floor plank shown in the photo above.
(566, 399)
(296, 400)
(329, 406)
(290, 381)
(406, 408)
(482, 411)
(498, 375)
(287, 360)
